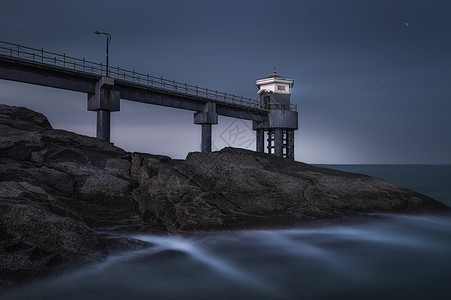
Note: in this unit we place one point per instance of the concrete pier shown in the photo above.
(274, 113)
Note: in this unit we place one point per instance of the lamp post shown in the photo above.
(108, 40)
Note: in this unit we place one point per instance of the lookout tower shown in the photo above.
(282, 119)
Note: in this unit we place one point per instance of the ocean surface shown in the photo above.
(384, 256)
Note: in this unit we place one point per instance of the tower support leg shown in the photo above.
(290, 144)
(260, 140)
(278, 142)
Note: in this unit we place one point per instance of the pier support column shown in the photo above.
(206, 118)
(278, 142)
(103, 124)
(260, 140)
(206, 138)
(290, 144)
(105, 100)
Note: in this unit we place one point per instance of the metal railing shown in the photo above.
(64, 61)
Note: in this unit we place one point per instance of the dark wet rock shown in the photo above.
(236, 188)
(56, 189)
(61, 193)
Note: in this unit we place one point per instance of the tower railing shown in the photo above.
(66, 62)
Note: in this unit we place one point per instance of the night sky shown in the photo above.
(372, 78)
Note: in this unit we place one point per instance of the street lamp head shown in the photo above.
(108, 36)
(108, 40)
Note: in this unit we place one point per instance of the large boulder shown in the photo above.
(236, 188)
(57, 190)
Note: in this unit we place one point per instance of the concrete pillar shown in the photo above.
(103, 124)
(278, 142)
(104, 100)
(206, 138)
(290, 144)
(206, 118)
(260, 138)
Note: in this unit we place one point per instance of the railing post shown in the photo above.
(196, 90)
(83, 64)
(147, 79)
(186, 89)
(10, 51)
(216, 95)
(64, 60)
(225, 97)
(42, 55)
(206, 93)
(33, 56)
(54, 60)
(173, 86)
(133, 76)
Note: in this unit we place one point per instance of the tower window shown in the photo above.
(281, 88)
(266, 101)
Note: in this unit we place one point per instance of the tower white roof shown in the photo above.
(269, 82)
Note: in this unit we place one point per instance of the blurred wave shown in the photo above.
(385, 257)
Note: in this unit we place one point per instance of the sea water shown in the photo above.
(384, 256)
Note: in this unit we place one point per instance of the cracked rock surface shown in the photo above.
(60, 190)
(236, 188)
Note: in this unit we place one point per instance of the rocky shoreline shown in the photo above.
(60, 190)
